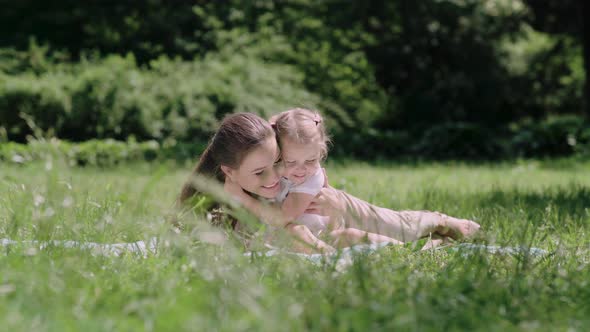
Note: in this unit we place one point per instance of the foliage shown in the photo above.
(459, 140)
(552, 137)
(89, 153)
(547, 74)
(147, 29)
(390, 75)
(116, 98)
(565, 20)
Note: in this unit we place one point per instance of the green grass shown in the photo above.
(189, 285)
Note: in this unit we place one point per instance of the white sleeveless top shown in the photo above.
(312, 186)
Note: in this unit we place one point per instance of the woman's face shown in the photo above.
(258, 172)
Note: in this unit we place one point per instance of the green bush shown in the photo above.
(102, 153)
(459, 141)
(553, 136)
(556, 136)
(115, 98)
(444, 141)
(581, 142)
(36, 59)
(368, 143)
(42, 100)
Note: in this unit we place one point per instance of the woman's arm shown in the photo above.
(302, 239)
(269, 214)
(292, 207)
(401, 225)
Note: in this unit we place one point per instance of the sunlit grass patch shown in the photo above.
(193, 285)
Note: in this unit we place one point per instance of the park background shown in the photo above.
(489, 79)
(475, 108)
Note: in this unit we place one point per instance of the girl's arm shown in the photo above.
(295, 205)
(300, 198)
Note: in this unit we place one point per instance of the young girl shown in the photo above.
(304, 144)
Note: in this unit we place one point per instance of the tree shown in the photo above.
(438, 60)
(565, 17)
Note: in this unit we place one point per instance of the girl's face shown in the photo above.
(258, 171)
(301, 160)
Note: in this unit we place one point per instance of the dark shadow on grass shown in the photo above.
(560, 206)
(556, 203)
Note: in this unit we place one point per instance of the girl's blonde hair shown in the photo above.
(302, 126)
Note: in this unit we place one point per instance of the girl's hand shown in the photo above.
(327, 203)
(325, 178)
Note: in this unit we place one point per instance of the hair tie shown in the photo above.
(273, 121)
(317, 119)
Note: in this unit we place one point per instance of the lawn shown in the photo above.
(191, 285)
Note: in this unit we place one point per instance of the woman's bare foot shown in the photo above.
(320, 247)
(436, 241)
(457, 228)
(348, 237)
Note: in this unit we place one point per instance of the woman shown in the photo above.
(244, 156)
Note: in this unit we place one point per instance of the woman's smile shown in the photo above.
(271, 190)
(272, 186)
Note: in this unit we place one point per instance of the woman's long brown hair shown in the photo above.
(237, 135)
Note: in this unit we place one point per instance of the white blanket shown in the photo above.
(342, 258)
